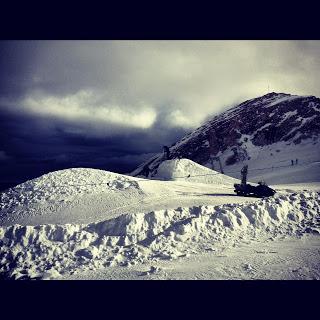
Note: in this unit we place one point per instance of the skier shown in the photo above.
(292, 162)
(296, 161)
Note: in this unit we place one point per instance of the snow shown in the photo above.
(282, 99)
(184, 222)
(157, 235)
(182, 168)
(303, 122)
(86, 220)
(263, 127)
(273, 163)
(314, 107)
(286, 116)
(270, 259)
(84, 195)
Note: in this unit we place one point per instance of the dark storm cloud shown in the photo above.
(147, 75)
(31, 146)
(111, 104)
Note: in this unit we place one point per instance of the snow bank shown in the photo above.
(48, 251)
(181, 169)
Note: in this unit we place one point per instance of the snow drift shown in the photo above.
(48, 251)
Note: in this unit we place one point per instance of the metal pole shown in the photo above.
(220, 165)
(211, 161)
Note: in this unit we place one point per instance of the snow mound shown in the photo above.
(59, 185)
(61, 189)
(48, 251)
(185, 169)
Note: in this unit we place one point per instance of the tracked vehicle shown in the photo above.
(246, 189)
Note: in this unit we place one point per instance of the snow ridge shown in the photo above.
(49, 251)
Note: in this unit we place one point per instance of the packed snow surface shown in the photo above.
(282, 258)
(77, 220)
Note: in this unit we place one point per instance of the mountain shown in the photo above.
(83, 220)
(268, 131)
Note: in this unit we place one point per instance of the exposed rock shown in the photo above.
(262, 121)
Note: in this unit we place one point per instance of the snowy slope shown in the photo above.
(273, 163)
(89, 195)
(264, 132)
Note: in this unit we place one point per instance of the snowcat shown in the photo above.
(246, 189)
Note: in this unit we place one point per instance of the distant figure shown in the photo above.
(189, 176)
(166, 152)
(244, 172)
(296, 161)
(292, 162)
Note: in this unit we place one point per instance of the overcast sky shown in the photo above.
(112, 104)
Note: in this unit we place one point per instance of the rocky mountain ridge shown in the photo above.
(252, 125)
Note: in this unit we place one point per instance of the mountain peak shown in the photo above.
(238, 134)
(271, 94)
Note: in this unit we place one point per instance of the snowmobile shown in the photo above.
(260, 191)
(246, 189)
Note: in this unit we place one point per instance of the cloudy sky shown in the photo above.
(112, 104)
